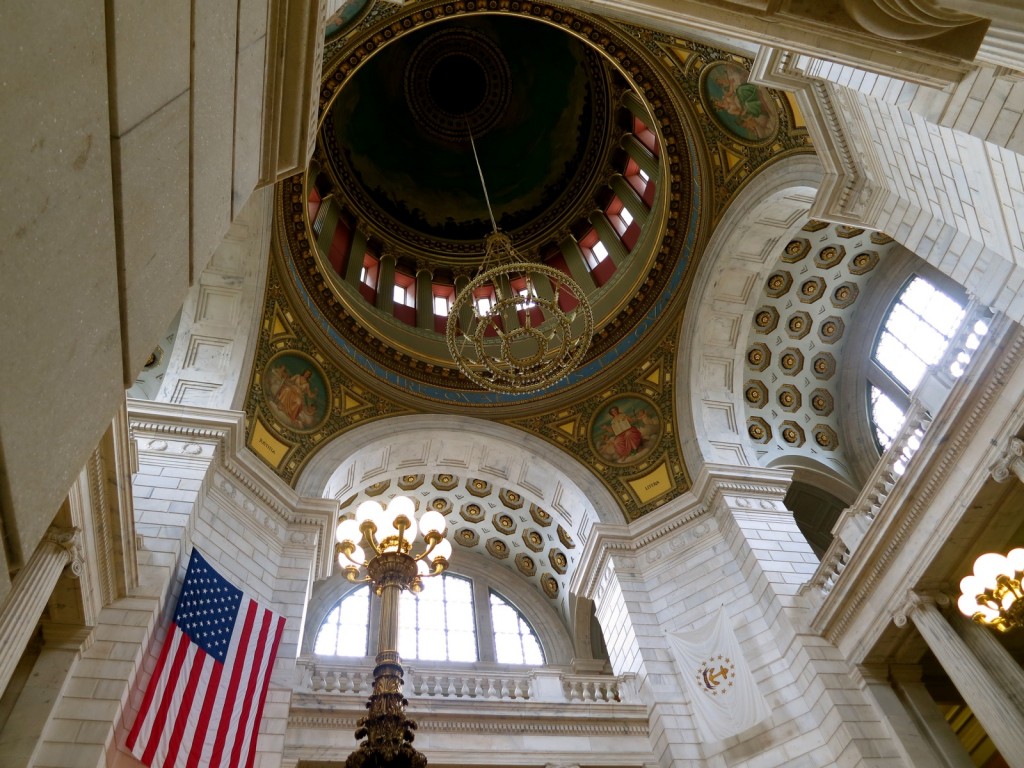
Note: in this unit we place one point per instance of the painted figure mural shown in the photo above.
(295, 392)
(625, 430)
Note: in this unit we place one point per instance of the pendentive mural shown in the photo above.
(741, 108)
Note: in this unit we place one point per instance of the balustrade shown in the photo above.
(489, 685)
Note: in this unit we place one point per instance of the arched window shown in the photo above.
(914, 335)
(438, 623)
(345, 631)
(441, 623)
(515, 642)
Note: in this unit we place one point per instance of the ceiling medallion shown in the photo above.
(509, 330)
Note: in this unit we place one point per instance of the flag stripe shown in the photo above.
(147, 700)
(199, 741)
(231, 694)
(175, 694)
(245, 731)
(262, 698)
(183, 717)
(165, 701)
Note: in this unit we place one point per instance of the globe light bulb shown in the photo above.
(422, 568)
(1015, 557)
(348, 531)
(357, 555)
(368, 510)
(968, 604)
(972, 586)
(989, 566)
(433, 521)
(403, 507)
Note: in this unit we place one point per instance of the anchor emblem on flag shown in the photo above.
(716, 675)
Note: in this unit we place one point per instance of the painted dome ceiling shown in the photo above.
(536, 101)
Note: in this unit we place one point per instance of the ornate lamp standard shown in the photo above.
(992, 595)
(386, 732)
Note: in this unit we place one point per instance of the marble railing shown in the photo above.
(479, 683)
(936, 386)
(853, 523)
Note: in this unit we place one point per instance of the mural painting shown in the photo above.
(625, 429)
(741, 108)
(342, 17)
(295, 391)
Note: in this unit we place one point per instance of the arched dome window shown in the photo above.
(515, 642)
(438, 623)
(914, 335)
(441, 623)
(345, 631)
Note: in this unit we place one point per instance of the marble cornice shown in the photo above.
(224, 431)
(711, 485)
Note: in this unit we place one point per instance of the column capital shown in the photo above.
(1010, 461)
(70, 540)
(912, 602)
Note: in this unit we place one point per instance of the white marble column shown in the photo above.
(59, 549)
(990, 703)
(928, 717)
(997, 660)
(912, 735)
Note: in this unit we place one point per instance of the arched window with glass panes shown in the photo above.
(914, 335)
(441, 623)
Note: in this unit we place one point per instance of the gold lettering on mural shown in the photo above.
(266, 446)
(655, 483)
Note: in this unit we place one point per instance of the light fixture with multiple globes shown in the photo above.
(992, 595)
(390, 536)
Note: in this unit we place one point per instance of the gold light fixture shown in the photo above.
(518, 338)
(390, 536)
(992, 595)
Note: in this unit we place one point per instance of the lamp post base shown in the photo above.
(386, 732)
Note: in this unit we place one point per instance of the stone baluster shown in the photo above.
(59, 551)
(993, 707)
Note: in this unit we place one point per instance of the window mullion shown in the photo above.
(881, 378)
(484, 629)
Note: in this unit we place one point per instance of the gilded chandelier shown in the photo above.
(992, 595)
(518, 339)
(390, 536)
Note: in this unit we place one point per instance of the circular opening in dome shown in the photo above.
(458, 84)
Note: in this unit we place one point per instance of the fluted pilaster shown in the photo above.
(59, 550)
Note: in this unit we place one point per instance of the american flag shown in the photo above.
(204, 702)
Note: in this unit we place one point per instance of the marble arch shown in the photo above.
(431, 443)
(742, 249)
